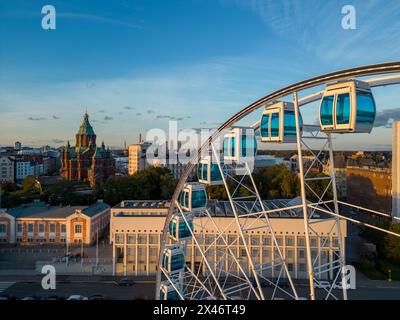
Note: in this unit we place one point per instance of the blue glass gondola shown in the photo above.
(346, 107)
(208, 172)
(178, 229)
(239, 145)
(167, 292)
(173, 259)
(193, 197)
(278, 123)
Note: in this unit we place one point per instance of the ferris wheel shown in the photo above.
(231, 248)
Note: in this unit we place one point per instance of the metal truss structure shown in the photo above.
(228, 268)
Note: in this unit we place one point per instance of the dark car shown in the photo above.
(54, 298)
(125, 282)
(98, 296)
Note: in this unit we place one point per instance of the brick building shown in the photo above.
(38, 222)
(370, 187)
(87, 161)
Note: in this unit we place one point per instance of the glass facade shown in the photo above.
(249, 146)
(265, 126)
(215, 174)
(225, 146)
(326, 111)
(343, 109)
(275, 124)
(366, 108)
(232, 146)
(290, 124)
(199, 198)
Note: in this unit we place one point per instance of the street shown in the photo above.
(144, 288)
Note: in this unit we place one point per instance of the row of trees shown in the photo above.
(152, 183)
(277, 182)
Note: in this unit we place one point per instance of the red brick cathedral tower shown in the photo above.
(86, 161)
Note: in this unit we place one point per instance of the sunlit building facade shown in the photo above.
(136, 231)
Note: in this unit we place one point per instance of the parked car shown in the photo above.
(6, 298)
(322, 285)
(339, 286)
(125, 282)
(98, 296)
(53, 298)
(75, 297)
(30, 298)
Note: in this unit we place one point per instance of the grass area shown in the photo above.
(372, 274)
(384, 266)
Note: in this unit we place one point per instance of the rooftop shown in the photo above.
(144, 204)
(219, 208)
(41, 210)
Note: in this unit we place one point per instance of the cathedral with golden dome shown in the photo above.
(86, 161)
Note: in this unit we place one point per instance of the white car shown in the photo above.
(76, 297)
(340, 287)
(322, 285)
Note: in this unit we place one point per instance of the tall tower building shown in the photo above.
(396, 170)
(137, 157)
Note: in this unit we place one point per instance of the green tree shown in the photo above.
(392, 243)
(151, 183)
(29, 184)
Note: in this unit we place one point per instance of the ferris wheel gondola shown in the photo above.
(208, 172)
(173, 259)
(193, 197)
(347, 107)
(168, 292)
(278, 123)
(179, 229)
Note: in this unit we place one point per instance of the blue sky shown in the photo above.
(133, 63)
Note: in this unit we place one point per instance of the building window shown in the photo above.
(3, 228)
(41, 227)
(142, 239)
(30, 227)
(52, 227)
(290, 241)
(267, 240)
(301, 241)
(289, 253)
(78, 228)
(63, 228)
(153, 239)
(19, 227)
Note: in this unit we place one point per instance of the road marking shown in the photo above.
(5, 285)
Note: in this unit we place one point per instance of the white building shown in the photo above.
(396, 170)
(24, 168)
(7, 169)
(136, 230)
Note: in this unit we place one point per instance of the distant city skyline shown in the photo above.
(135, 65)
